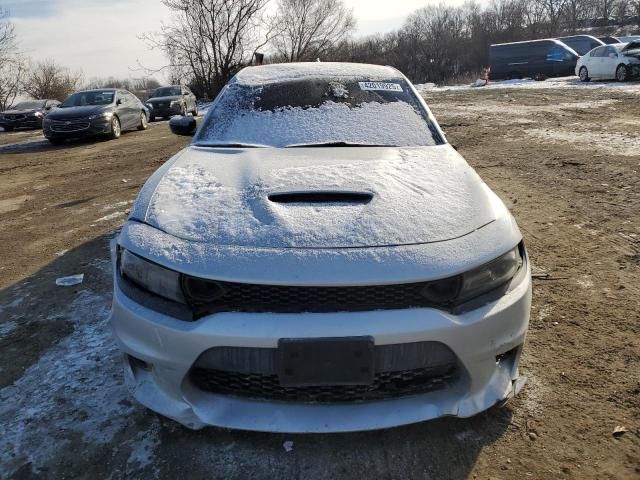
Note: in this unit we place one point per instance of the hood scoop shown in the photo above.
(322, 197)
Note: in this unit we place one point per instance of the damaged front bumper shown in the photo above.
(160, 352)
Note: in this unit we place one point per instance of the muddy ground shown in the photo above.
(565, 161)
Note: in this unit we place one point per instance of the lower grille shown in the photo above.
(69, 125)
(267, 387)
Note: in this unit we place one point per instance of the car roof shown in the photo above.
(283, 72)
(554, 40)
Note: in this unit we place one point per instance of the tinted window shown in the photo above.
(167, 92)
(316, 111)
(89, 98)
(32, 105)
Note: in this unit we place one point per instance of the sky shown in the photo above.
(100, 37)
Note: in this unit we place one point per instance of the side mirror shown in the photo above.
(185, 126)
(119, 101)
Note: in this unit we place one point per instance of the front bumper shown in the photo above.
(165, 110)
(170, 347)
(87, 128)
(26, 122)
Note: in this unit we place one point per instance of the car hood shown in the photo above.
(20, 112)
(73, 112)
(396, 196)
(163, 99)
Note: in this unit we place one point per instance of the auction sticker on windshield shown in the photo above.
(393, 87)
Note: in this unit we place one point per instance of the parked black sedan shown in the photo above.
(172, 100)
(104, 112)
(28, 114)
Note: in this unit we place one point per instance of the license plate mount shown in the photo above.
(305, 362)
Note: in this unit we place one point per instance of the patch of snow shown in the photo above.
(70, 281)
(116, 205)
(612, 143)
(7, 328)
(111, 216)
(562, 82)
(143, 447)
(394, 123)
(75, 388)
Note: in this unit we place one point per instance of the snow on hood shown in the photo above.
(220, 196)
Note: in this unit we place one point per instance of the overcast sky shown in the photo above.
(100, 37)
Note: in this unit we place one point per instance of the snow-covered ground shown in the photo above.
(562, 82)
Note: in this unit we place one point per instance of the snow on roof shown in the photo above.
(291, 71)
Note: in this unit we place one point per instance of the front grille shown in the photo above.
(69, 125)
(267, 387)
(246, 297)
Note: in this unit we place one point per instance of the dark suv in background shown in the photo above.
(536, 59)
(28, 114)
(102, 112)
(172, 100)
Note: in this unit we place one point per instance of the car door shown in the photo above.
(594, 62)
(127, 112)
(609, 62)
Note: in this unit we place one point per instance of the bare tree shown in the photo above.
(209, 40)
(48, 80)
(308, 29)
(12, 65)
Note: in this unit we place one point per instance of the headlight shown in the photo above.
(474, 283)
(105, 116)
(151, 277)
(37, 114)
(176, 103)
(149, 106)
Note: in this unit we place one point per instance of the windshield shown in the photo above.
(82, 99)
(167, 92)
(317, 112)
(31, 105)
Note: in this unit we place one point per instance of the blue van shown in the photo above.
(537, 59)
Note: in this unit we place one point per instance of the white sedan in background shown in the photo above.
(619, 61)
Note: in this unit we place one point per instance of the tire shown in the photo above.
(116, 128)
(539, 77)
(622, 73)
(57, 141)
(584, 74)
(143, 122)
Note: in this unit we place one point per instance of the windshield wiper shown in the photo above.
(337, 144)
(230, 145)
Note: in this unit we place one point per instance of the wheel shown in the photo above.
(57, 141)
(143, 121)
(622, 73)
(584, 74)
(116, 129)
(539, 77)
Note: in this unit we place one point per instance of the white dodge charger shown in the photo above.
(319, 259)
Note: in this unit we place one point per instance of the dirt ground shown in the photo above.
(565, 161)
